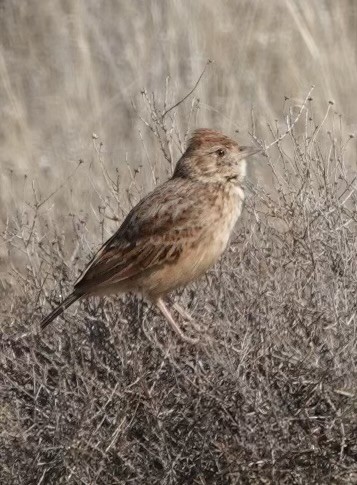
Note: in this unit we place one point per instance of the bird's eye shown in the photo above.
(220, 152)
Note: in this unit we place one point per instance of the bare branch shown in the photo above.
(189, 93)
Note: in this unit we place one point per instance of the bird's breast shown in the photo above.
(218, 218)
(229, 208)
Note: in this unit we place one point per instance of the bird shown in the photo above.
(176, 232)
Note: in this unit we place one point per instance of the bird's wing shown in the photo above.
(154, 233)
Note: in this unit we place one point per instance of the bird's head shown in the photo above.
(213, 157)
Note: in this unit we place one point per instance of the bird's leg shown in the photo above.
(164, 310)
(185, 315)
(181, 311)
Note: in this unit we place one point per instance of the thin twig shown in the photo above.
(189, 93)
(290, 126)
(39, 204)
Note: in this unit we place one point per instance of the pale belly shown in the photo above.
(194, 261)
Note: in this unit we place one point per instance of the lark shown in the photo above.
(175, 233)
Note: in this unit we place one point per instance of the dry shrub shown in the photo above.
(109, 395)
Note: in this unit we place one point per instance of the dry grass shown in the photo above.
(269, 394)
(109, 395)
(68, 69)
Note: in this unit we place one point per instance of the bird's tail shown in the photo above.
(60, 309)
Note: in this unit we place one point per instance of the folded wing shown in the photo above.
(154, 233)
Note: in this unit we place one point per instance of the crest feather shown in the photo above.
(205, 137)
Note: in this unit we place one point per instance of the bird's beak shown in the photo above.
(246, 152)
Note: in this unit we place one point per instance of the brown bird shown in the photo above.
(175, 233)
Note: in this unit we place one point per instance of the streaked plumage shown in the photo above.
(175, 233)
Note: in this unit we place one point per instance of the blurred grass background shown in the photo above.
(71, 68)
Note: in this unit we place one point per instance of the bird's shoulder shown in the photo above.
(171, 207)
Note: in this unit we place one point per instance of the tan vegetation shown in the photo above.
(109, 396)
